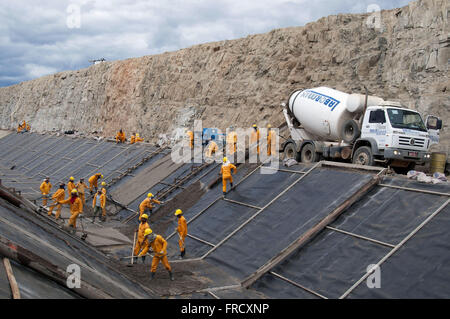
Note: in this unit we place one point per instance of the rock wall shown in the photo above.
(239, 82)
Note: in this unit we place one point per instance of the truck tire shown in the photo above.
(350, 131)
(290, 151)
(363, 156)
(309, 154)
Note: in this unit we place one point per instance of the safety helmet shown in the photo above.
(254, 125)
(269, 126)
(149, 195)
(178, 212)
(103, 184)
(137, 134)
(147, 232)
(101, 175)
(71, 178)
(225, 159)
(74, 191)
(145, 216)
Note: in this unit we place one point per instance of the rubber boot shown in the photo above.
(143, 259)
(152, 276)
(171, 276)
(183, 253)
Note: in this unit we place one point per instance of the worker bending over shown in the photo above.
(147, 204)
(93, 182)
(141, 236)
(182, 231)
(45, 190)
(212, 147)
(159, 247)
(254, 138)
(71, 185)
(98, 204)
(138, 139)
(120, 137)
(76, 208)
(271, 139)
(81, 188)
(225, 171)
(133, 138)
(58, 196)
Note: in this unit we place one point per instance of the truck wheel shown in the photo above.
(308, 154)
(290, 152)
(363, 156)
(350, 131)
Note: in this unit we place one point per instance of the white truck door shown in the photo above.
(374, 126)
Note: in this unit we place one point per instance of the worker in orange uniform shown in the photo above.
(19, 128)
(147, 203)
(231, 141)
(98, 204)
(71, 185)
(133, 138)
(254, 138)
(212, 147)
(120, 137)
(27, 128)
(59, 195)
(76, 208)
(45, 190)
(225, 171)
(182, 231)
(159, 247)
(190, 135)
(141, 236)
(81, 188)
(271, 139)
(138, 139)
(93, 182)
(104, 207)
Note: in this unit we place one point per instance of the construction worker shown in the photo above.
(147, 203)
(76, 208)
(141, 236)
(45, 190)
(212, 147)
(254, 138)
(138, 139)
(159, 247)
(104, 188)
(104, 207)
(231, 141)
(182, 231)
(20, 128)
(28, 128)
(58, 196)
(98, 204)
(71, 185)
(120, 137)
(271, 138)
(225, 171)
(133, 138)
(81, 188)
(93, 182)
(190, 135)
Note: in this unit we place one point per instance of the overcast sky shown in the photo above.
(48, 36)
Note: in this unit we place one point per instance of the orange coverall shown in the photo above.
(191, 138)
(58, 196)
(231, 143)
(147, 203)
(182, 232)
(93, 181)
(81, 187)
(225, 171)
(76, 208)
(45, 190)
(159, 246)
(140, 239)
(271, 138)
(120, 137)
(254, 138)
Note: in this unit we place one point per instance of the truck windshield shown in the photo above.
(406, 119)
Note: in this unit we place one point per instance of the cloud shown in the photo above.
(42, 37)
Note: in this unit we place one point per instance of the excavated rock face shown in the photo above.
(243, 81)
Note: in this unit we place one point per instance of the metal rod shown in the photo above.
(261, 210)
(415, 190)
(397, 247)
(241, 203)
(201, 240)
(360, 236)
(212, 294)
(284, 170)
(352, 166)
(297, 285)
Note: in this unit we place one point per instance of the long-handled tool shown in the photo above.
(132, 251)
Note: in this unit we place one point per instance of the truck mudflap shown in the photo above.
(400, 155)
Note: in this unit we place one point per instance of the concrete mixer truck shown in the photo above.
(328, 124)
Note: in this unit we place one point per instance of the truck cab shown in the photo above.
(394, 135)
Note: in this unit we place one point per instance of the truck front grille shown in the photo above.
(408, 141)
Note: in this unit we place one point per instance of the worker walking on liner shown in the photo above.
(225, 171)
(140, 244)
(271, 139)
(45, 190)
(98, 204)
(58, 196)
(71, 185)
(76, 208)
(81, 188)
(104, 207)
(120, 137)
(147, 204)
(159, 247)
(254, 138)
(182, 231)
(93, 182)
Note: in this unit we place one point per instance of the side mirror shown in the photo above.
(434, 123)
